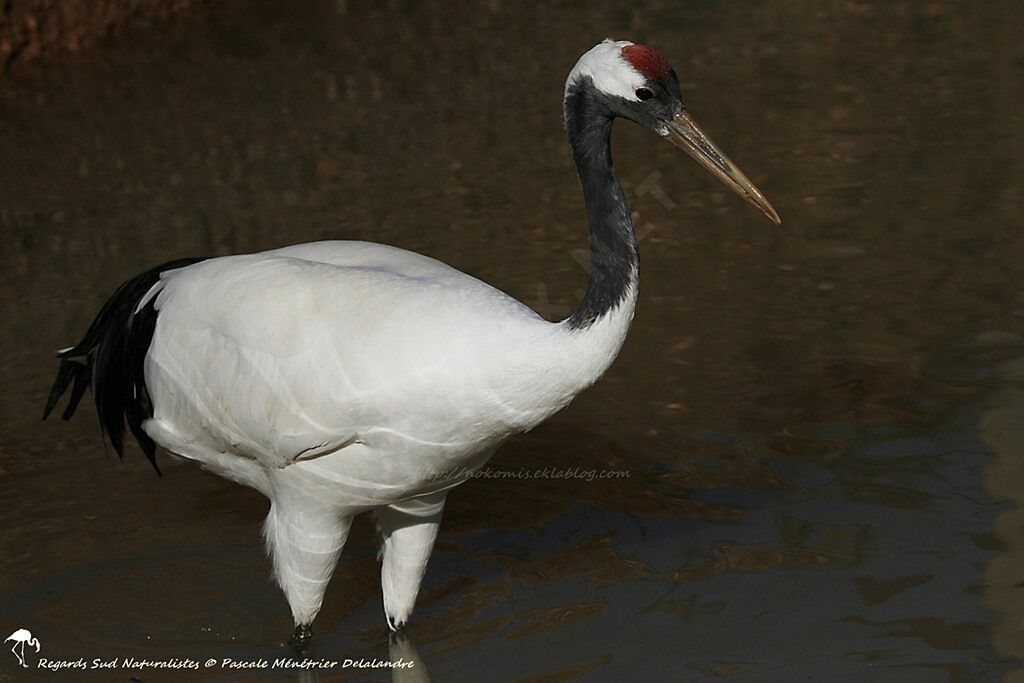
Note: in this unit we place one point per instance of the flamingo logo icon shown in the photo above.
(20, 638)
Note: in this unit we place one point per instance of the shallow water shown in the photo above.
(822, 423)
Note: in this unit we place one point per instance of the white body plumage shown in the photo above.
(339, 377)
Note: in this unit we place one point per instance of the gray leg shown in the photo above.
(304, 541)
(302, 639)
(409, 529)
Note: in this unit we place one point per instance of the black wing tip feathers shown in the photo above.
(65, 374)
(110, 359)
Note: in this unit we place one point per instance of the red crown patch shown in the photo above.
(647, 61)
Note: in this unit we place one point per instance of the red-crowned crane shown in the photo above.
(340, 377)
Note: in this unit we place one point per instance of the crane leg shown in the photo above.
(409, 529)
(304, 540)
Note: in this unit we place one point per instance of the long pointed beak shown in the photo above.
(684, 132)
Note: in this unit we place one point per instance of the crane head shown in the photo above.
(635, 82)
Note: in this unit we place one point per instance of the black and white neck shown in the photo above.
(613, 79)
(614, 259)
(616, 79)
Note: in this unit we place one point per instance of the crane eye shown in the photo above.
(644, 94)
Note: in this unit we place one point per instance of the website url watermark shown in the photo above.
(526, 473)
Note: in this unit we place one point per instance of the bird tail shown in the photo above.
(110, 358)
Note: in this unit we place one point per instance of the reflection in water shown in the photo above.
(819, 420)
(402, 650)
(406, 664)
